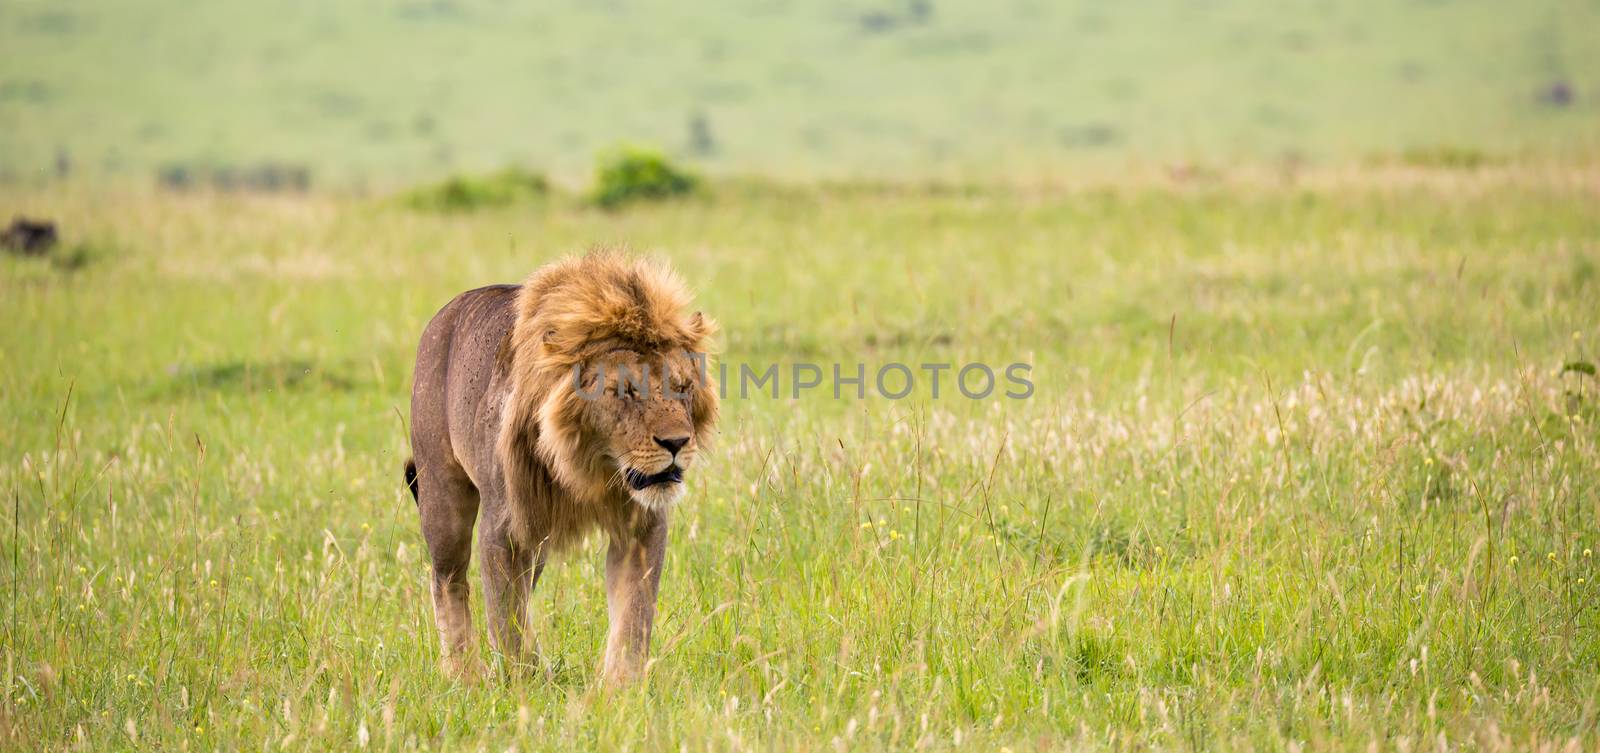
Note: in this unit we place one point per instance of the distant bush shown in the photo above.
(633, 174)
(1449, 157)
(265, 177)
(79, 255)
(465, 193)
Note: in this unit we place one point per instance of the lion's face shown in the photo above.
(645, 420)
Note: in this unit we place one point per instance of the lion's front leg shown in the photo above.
(633, 572)
(508, 572)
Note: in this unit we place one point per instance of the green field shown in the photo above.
(362, 92)
(1302, 469)
(1309, 292)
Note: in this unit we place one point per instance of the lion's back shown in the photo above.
(454, 413)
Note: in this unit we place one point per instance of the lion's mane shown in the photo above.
(569, 313)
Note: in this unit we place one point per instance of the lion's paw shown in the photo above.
(466, 669)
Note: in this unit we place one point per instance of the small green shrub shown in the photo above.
(77, 256)
(633, 174)
(465, 193)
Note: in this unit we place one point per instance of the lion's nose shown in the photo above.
(672, 444)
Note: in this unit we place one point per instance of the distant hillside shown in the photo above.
(364, 90)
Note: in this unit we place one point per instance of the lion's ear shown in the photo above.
(548, 342)
(701, 327)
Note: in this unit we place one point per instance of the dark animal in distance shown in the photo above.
(29, 237)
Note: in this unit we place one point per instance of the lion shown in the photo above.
(529, 415)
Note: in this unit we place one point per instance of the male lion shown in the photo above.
(528, 404)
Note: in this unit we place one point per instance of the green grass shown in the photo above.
(363, 92)
(1300, 470)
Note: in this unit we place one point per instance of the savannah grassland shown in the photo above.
(365, 90)
(1309, 294)
(1301, 469)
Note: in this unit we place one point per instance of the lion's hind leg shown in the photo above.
(449, 506)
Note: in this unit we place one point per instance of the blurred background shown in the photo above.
(361, 92)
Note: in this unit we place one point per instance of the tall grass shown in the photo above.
(1302, 471)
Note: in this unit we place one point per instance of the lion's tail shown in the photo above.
(411, 479)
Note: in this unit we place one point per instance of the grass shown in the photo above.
(1302, 470)
(363, 92)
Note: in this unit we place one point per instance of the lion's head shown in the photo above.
(610, 369)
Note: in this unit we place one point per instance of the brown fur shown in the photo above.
(498, 424)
